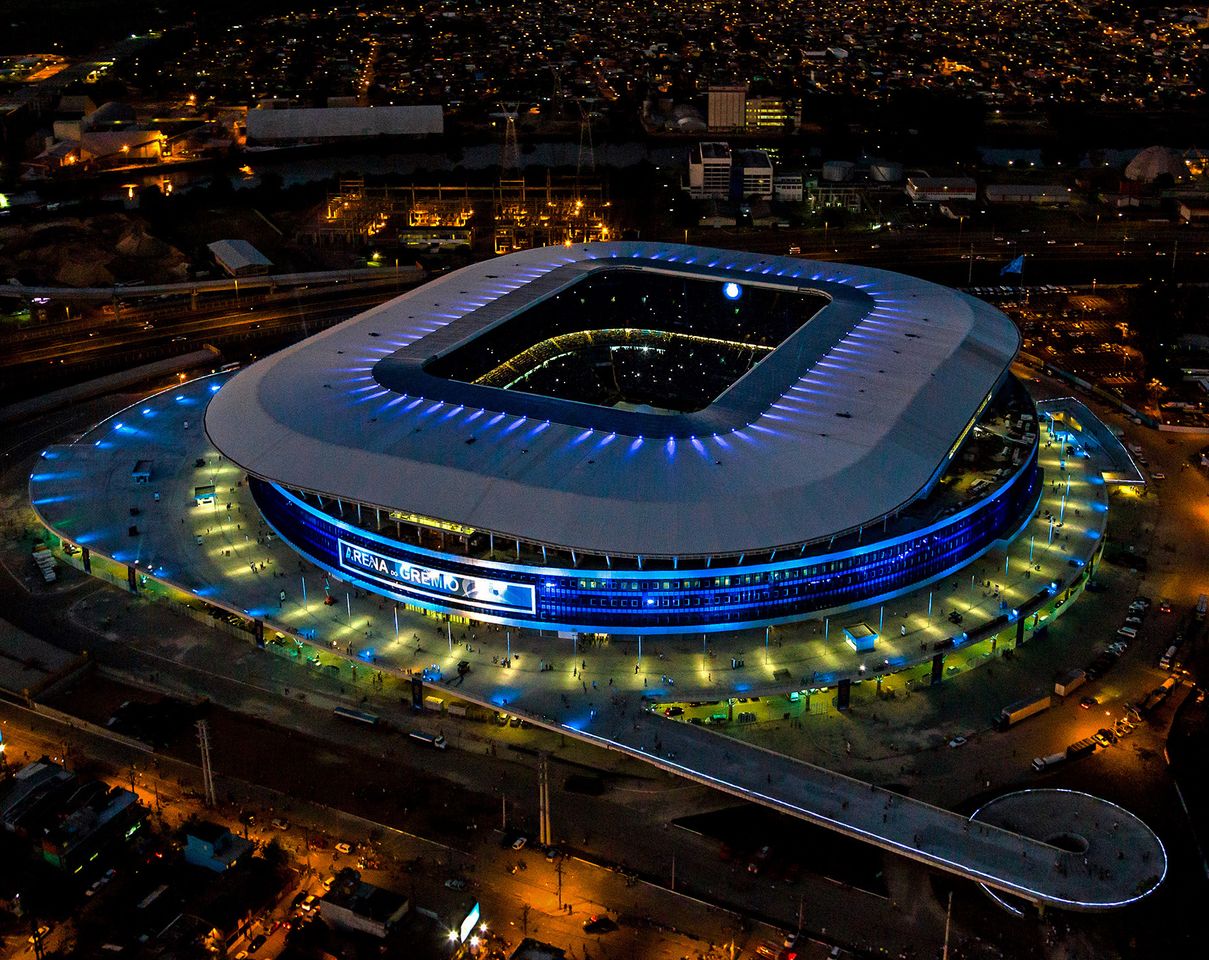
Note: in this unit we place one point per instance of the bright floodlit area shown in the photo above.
(633, 339)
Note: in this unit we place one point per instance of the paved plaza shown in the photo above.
(136, 492)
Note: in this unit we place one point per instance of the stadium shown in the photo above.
(637, 438)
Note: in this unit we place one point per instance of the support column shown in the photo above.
(86, 559)
(938, 668)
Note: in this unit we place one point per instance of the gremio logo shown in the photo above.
(405, 572)
(453, 589)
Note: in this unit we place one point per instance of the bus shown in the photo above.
(428, 739)
(357, 716)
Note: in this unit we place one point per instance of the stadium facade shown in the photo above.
(643, 438)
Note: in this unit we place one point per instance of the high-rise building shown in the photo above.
(751, 175)
(709, 171)
(727, 109)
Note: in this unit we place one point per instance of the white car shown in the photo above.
(957, 742)
(1130, 632)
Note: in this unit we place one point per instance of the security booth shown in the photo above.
(861, 637)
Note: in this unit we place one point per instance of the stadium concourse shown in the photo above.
(191, 534)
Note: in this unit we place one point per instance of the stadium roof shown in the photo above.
(851, 418)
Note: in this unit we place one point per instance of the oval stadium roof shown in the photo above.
(851, 418)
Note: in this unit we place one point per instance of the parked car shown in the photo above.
(519, 843)
(957, 741)
(596, 924)
(455, 883)
(343, 847)
(1088, 702)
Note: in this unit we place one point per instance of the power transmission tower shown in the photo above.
(556, 101)
(203, 741)
(587, 152)
(545, 837)
(510, 156)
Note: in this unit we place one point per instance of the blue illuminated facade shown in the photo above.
(657, 599)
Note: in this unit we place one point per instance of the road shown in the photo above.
(150, 333)
(521, 900)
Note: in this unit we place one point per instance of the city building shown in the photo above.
(788, 187)
(27, 798)
(1040, 194)
(96, 818)
(772, 115)
(214, 847)
(726, 109)
(1194, 211)
(939, 189)
(531, 949)
(461, 450)
(239, 258)
(709, 166)
(750, 175)
(352, 904)
(73, 822)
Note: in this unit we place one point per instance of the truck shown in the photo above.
(429, 740)
(1081, 748)
(1044, 763)
(1201, 605)
(1013, 713)
(435, 704)
(1069, 681)
(457, 709)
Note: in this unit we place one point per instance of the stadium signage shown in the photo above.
(431, 583)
